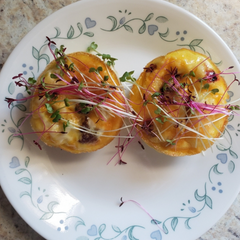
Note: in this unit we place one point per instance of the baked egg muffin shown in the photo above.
(179, 98)
(76, 103)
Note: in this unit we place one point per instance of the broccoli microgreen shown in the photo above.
(171, 142)
(110, 61)
(99, 69)
(127, 76)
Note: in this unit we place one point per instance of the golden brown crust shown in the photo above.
(76, 141)
(173, 136)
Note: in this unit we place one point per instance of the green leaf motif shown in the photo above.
(174, 223)
(116, 229)
(149, 17)
(101, 229)
(198, 197)
(35, 53)
(46, 216)
(79, 223)
(186, 223)
(114, 22)
(10, 138)
(208, 201)
(230, 118)
(24, 194)
(27, 160)
(20, 121)
(154, 221)
(142, 29)
(58, 32)
(70, 32)
(233, 154)
(161, 19)
(45, 57)
(89, 34)
(79, 25)
(164, 35)
(19, 171)
(221, 147)
(25, 180)
(215, 170)
(231, 166)
(196, 42)
(51, 205)
(128, 28)
(21, 107)
(11, 88)
(130, 234)
(165, 228)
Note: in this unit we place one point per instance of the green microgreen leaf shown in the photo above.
(48, 96)
(52, 75)
(206, 86)
(171, 142)
(56, 116)
(127, 76)
(65, 125)
(81, 85)
(157, 111)
(156, 94)
(31, 81)
(66, 101)
(99, 69)
(192, 74)
(145, 103)
(93, 46)
(159, 120)
(106, 78)
(71, 66)
(215, 90)
(49, 108)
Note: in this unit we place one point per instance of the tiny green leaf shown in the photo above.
(66, 101)
(127, 76)
(192, 74)
(49, 108)
(31, 81)
(157, 111)
(215, 90)
(93, 46)
(156, 94)
(206, 86)
(171, 142)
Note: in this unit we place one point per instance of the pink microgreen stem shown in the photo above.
(139, 205)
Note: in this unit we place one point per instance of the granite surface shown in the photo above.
(18, 17)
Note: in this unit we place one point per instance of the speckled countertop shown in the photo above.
(18, 17)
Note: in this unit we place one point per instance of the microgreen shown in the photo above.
(53, 76)
(157, 111)
(31, 81)
(81, 85)
(93, 46)
(99, 69)
(206, 86)
(215, 90)
(65, 125)
(110, 61)
(127, 76)
(49, 107)
(66, 101)
(171, 142)
(106, 78)
(192, 74)
(56, 116)
(156, 94)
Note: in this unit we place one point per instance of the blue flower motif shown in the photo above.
(122, 20)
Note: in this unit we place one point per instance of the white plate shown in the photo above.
(65, 196)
